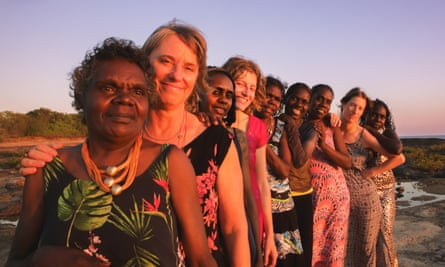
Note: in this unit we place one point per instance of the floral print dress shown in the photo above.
(136, 228)
(207, 152)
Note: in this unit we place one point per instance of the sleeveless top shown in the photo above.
(207, 152)
(256, 137)
(137, 226)
(279, 188)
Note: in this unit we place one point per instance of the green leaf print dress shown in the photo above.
(136, 228)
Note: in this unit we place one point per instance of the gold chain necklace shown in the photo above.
(106, 179)
(178, 134)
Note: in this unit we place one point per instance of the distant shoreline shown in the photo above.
(423, 137)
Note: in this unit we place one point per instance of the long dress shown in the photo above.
(331, 209)
(207, 152)
(301, 186)
(137, 226)
(366, 211)
(256, 137)
(284, 215)
(386, 249)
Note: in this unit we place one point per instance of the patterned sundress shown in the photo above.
(331, 209)
(207, 152)
(386, 183)
(284, 216)
(136, 228)
(366, 211)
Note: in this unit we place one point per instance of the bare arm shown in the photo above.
(270, 251)
(231, 210)
(394, 160)
(280, 164)
(339, 155)
(24, 249)
(186, 204)
(389, 140)
(30, 222)
(298, 153)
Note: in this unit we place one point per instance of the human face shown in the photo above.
(272, 102)
(218, 99)
(377, 118)
(175, 67)
(320, 104)
(353, 109)
(245, 88)
(297, 104)
(116, 102)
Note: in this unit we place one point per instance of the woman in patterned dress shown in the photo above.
(177, 55)
(217, 102)
(379, 123)
(331, 196)
(278, 154)
(366, 211)
(75, 214)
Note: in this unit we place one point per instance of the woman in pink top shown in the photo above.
(249, 93)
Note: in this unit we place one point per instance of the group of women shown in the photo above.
(295, 188)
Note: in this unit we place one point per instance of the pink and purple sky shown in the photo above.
(394, 50)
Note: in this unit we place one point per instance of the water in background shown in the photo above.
(413, 195)
(423, 136)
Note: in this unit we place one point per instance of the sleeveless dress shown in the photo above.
(137, 227)
(331, 209)
(366, 211)
(386, 183)
(256, 137)
(207, 152)
(284, 216)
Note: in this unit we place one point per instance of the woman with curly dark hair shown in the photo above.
(116, 199)
(379, 123)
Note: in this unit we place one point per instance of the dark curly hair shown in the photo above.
(389, 122)
(212, 71)
(111, 48)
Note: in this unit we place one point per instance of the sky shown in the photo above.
(394, 50)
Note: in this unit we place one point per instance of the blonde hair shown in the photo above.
(193, 38)
(237, 66)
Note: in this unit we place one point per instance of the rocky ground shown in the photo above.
(419, 231)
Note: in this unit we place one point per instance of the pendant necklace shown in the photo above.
(109, 180)
(179, 134)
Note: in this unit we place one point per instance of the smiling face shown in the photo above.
(320, 104)
(245, 88)
(272, 102)
(297, 104)
(116, 101)
(175, 67)
(218, 97)
(353, 109)
(377, 117)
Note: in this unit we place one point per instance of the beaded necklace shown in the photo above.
(109, 179)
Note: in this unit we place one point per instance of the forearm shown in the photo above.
(389, 140)
(340, 159)
(278, 166)
(237, 245)
(298, 154)
(266, 201)
(389, 164)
